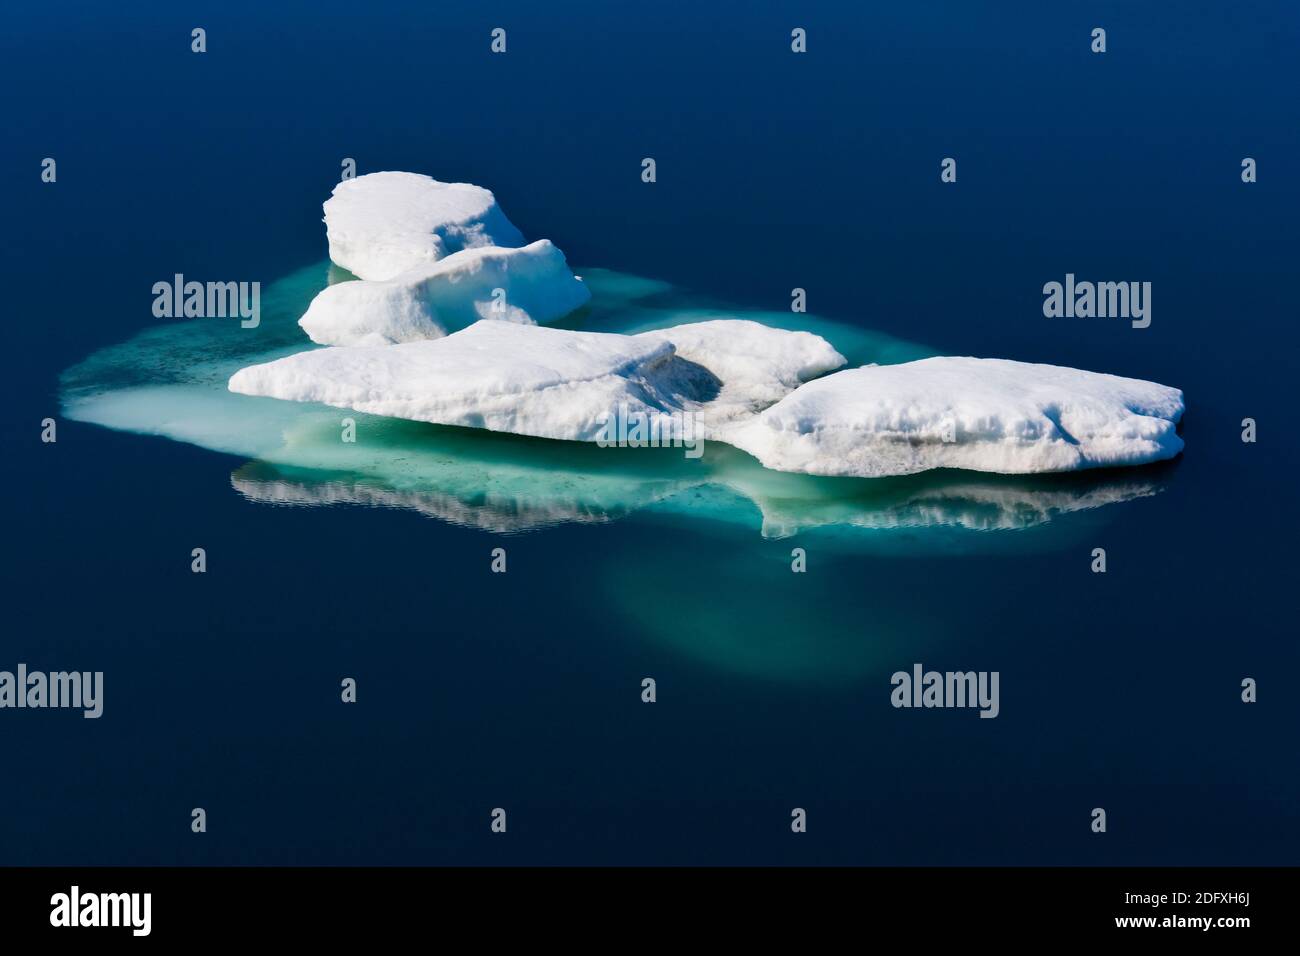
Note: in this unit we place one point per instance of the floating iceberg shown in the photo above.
(383, 224)
(751, 385)
(412, 343)
(987, 415)
(528, 285)
(171, 380)
(552, 383)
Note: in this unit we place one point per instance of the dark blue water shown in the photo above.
(522, 690)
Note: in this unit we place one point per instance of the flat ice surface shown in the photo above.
(524, 379)
(988, 415)
(553, 383)
(382, 224)
(531, 284)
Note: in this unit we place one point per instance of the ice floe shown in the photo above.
(989, 415)
(749, 384)
(528, 285)
(382, 224)
(416, 342)
(171, 380)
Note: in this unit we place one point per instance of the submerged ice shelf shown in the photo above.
(437, 325)
(170, 380)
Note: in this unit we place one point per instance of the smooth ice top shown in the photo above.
(525, 379)
(550, 383)
(531, 284)
(382, 224)
(980, 414)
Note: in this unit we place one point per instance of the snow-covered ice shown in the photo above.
(442, 326)
(988, 415)
(171, 380)
(551, 383)
(429, 301)
(748, 385)
(524, 379)
(382, 224)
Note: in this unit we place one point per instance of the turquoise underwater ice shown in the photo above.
(710, 527)
(170, 380)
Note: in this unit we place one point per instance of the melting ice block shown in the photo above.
(383, 224)
(529, 285)
(551, 383)
(979, 414)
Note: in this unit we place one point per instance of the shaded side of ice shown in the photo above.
(756, 365)
(988, 415)
(383, 224)
(531, 284)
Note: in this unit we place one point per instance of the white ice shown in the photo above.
(382, 224)
(524, 379)
(436, 259)
(989, 415)
(529, 285)
(755, 364)
(552, 383)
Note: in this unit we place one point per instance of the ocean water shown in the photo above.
(479, 690)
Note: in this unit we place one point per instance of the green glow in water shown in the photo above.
(170, 380)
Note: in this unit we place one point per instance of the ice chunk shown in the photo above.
(525, 379)
(383, 224)
(554, 383)
(979, 414)
(530, 284)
